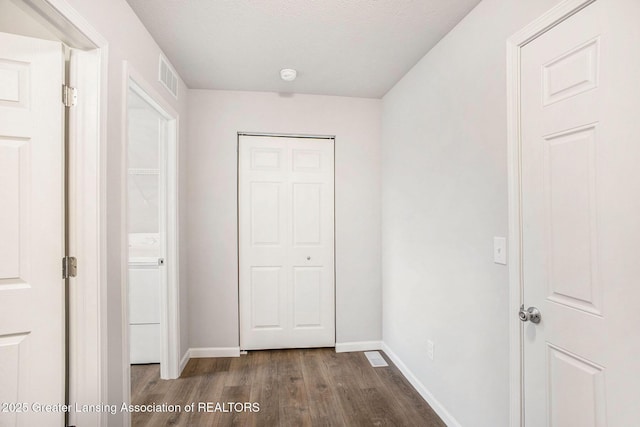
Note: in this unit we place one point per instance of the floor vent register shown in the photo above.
(376, 359)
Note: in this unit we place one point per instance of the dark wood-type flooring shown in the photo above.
(308, 387)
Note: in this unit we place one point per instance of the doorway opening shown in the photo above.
(151, 255)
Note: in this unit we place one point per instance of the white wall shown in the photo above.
(444, 197)
(215, 117)
(14, 20)
(128, 40)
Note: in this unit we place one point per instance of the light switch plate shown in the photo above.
(500, 250)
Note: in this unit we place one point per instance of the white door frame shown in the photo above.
(87, 202)
(169, 293)
(515, 43)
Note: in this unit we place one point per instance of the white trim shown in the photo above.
(170, 305)
(87, 203)
(200, 352)
(86, 300)
(184, 360)
(420, 388)
(514, 44)
(65, 23)
(347, 347)
(124, 249)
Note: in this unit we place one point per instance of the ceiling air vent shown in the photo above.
(168, 76)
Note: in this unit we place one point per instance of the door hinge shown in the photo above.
(69, 267)
(69, 96)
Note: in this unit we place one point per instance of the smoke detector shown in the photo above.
(288, 74)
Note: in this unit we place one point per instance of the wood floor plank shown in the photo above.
(307, 387)
(230, 416)
(147, 388)
(241, 370)
(265, 391)
(213, 373)
(292, 395)
(143, 378)
(382, 411)
(407, 398)
(347, 390)
(361, 370)
(179, 393)
(324, 407)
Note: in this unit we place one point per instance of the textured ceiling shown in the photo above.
(339, 47)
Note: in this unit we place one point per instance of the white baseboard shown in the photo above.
(346, 347)
(199, 352)
(184, 361)
(426, 394)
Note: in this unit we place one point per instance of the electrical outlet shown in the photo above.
(430, 348)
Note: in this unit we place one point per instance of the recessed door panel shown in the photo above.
(14, 185)
(576, 390)
(14, 352)
(307, 213)
(265, 213)
(265, 297)
(307, 283)
(570, 196)
(14, 83)
(263, 159)
(307, 160)
(572, 73)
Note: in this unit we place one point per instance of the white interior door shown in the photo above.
(286, 237)
(581, 219)
(31, 230)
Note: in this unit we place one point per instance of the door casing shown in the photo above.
(515, 43)
(169, 294)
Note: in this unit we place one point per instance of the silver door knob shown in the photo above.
(308, 258)
(531, 313)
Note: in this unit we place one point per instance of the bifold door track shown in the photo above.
(284, 135)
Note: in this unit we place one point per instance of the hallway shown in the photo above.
(307, 387)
